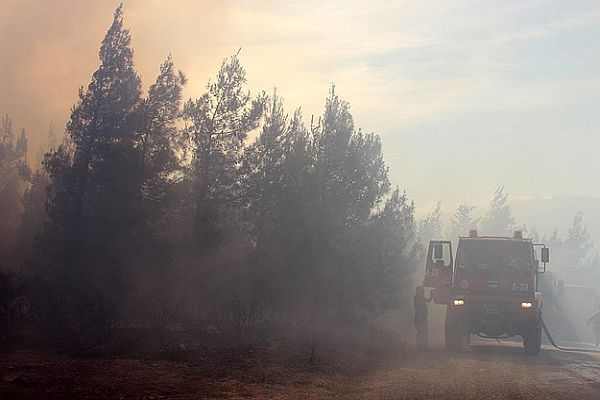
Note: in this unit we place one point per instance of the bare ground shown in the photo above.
(488, 370)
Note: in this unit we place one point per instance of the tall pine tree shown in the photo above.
(220, 120)
(93, 175)
(14, 174)
(160, 141)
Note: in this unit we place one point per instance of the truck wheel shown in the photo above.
(532, 341)
(454, 332)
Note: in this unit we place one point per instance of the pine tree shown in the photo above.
(430, 227)
(392, 253)
(14, 175)
(462, 221)
(102, 129)
(577, 244)
(277, 187)
(34, 215)
(351, 175)
(348, 182)
(51, 143)
(322, 242)
(571, 255)
(498, 220)
(97, 156)
(159, 139)
(93, 191)
(220, 120)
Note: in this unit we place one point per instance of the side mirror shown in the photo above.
(438, 251)
(545, 254)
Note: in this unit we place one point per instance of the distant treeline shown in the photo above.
(573, 259)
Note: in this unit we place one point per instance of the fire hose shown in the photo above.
(549, 336)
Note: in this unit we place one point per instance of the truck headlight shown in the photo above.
(526, 304)
(459, 302)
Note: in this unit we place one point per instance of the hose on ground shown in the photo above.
(549, 336)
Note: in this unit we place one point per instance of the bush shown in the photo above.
(14, 302)
(78, 320)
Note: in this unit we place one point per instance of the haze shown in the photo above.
(427, 225)
(466, 95)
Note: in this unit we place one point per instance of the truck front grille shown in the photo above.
(490, 309)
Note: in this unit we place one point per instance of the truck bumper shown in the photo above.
(495, 318)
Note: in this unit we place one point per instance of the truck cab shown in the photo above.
(490, 290)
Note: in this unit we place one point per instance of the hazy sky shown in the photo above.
(467, 95)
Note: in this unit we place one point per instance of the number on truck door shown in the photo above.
(438, 267)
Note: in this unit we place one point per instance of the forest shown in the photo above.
(226, 218)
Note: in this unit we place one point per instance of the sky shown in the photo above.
(466, 95)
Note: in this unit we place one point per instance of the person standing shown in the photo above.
(421, 318)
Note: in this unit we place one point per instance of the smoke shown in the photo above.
(49, 49)
(45, 58)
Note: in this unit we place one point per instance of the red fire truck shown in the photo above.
(490, 288)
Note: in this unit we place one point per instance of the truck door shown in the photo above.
(438, 267)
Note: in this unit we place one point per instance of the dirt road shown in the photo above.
(488, 370)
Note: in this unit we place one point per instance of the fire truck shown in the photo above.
(490, 288)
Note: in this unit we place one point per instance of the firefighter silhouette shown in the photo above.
(421, 322)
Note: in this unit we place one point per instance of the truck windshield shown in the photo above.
(494, 256)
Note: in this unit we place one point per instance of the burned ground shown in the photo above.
(487, 370)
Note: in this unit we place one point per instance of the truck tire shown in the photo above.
(454, 332)
(532, 340)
